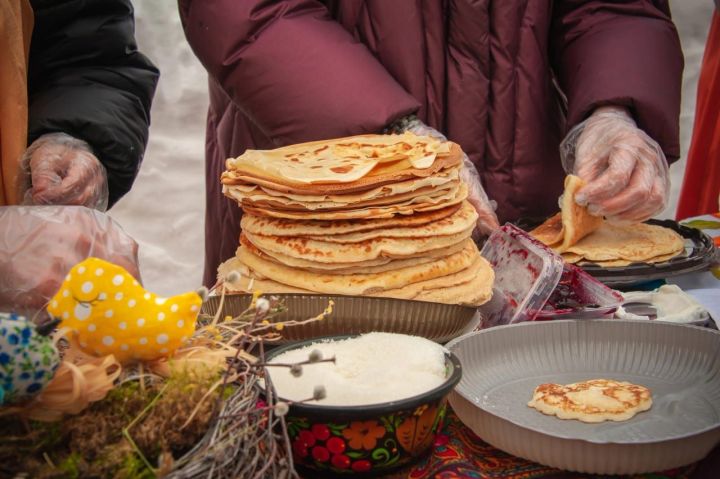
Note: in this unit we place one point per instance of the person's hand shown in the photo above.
(64, 171)
(625, 170)
(487, 219)
(40, 244)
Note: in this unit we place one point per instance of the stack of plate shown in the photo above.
(381, 215)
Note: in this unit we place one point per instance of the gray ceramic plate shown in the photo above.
(357, 315)
(680, 364)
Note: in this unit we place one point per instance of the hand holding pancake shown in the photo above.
(625, 170)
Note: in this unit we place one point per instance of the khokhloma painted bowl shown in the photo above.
(332, 441)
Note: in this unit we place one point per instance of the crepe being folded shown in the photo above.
(581, 237)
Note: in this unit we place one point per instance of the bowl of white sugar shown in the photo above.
(362, 405)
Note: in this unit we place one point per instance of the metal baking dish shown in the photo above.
(680, 364)
(357, 315)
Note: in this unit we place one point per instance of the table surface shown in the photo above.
(459, 453)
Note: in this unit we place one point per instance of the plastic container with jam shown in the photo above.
(532, 282)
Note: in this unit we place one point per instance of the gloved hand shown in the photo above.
(625, 170)
(64, 171)
(40, 244)
(487, 219)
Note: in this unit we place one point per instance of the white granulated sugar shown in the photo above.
(370, 369)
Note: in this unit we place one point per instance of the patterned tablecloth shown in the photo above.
(459, 453)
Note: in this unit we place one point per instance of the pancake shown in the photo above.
(462, 220)
(327, 252)
(635, 243)
(572, 224)
(374, 265)
(286, 227)
(343, 165)
(593, 401)
(427, 195)
(471, 286)
(577, 223)
(579, 236)
(377, 212)
(255, 192)
(359, 283)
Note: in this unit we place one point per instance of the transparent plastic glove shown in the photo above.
(625, 170)
(487, 219)
(63, 171)
(40, 244)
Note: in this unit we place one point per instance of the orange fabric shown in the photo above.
(16, 23)
(701, 186)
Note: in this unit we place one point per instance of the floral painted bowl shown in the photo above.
(329, 441)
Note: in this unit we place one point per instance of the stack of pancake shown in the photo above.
(582, 238)
(377, 215)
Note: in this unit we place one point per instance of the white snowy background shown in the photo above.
(165, 210)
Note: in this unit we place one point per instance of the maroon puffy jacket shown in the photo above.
(503, 78)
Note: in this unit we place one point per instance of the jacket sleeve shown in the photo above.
(622, 52)
(87, 79)
(292, 70)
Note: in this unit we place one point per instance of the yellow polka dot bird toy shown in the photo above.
(108, 312)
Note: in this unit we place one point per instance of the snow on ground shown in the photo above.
(164, 211)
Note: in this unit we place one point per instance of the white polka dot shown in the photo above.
(135, 283)
(118, 280)
(54, 304)
(146, 295)
(82, 311)
(108, 340)
(109, 313)
(131, 303)
(91, 327)
(87, 287)
(180, 323)
(102, 296)
(174, 308)
(118, 296)
(143, 341)
(163, 350)
(162, 338)
(66, 315)
(122, 325)
(140, 322)
(161, 316)
(194, 308)
(99, 272)
(66, 293)
(124, 347)
(81, 269)
(160, 301)
(68, 278)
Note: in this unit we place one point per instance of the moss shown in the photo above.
(91, 444)
(72, 464)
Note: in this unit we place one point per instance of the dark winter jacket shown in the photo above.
(503, 78)
(86, 78)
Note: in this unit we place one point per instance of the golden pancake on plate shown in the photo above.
(579, 236)
(592, 401)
